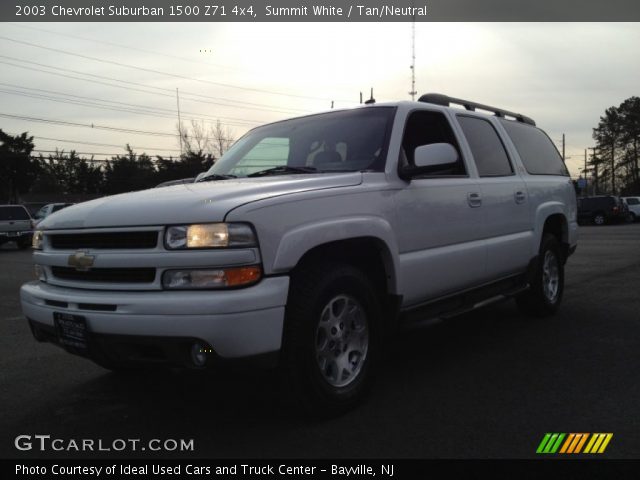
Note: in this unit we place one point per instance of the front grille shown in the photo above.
(106, 240)
(108, 275)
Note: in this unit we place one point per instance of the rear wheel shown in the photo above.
(547, 281)
(331, 337)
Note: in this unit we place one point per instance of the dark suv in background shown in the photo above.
(601, 209)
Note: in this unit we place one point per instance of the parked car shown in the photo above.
(15, 225)
(47, 210)
(633, 205)
(310, 241)
(602, 209)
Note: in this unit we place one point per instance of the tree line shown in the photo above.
(22, 172)
(614, 165)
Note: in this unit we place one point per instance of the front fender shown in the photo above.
(298, 241)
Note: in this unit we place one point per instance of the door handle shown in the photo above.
(520, 197)
(474, 199)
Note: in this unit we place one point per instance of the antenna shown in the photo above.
(413, 56)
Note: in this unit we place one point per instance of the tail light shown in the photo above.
(615, 209)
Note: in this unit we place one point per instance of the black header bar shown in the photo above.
(319, 11)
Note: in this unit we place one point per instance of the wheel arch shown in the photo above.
(365, 242)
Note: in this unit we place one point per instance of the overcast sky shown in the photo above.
(562, 75)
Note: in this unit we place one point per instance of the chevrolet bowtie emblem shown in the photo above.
(81, 260)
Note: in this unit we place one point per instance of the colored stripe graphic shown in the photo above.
(550, 443)
(598, 442)
(574, 443)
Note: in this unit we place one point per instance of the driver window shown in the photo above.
(425, 128)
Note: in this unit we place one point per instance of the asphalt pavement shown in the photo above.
(488, 384)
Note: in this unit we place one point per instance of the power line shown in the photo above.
(159, 72)
(128, 47)
(230, 103)
(86, 125)
(95, 144)
(79, 153)
(94, 126)
(133, 110)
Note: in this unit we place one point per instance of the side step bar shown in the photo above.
(462, 302)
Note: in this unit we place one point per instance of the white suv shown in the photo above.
(309, 240)
(634, 207)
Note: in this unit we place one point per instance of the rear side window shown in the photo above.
(538, 153)
(487, 149)
(13, 213)
(633, 201)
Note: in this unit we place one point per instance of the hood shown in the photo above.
(189, 203)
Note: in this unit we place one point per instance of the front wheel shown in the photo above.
(331, 336)
(547, 281)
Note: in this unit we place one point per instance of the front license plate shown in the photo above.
(72, 330)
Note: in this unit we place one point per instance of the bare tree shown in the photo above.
(223, 138)
(197, 139)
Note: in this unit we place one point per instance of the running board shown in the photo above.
(462, 302)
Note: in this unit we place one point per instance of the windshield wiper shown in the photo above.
(215, 176)
(283, 169)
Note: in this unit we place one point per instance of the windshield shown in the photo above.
(346, 141)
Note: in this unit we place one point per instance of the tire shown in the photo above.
(546, 281)
(331, 337)
(23, 245)
(599, 219)
(631, 218)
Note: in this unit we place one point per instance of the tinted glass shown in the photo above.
(338, 141)
(57, 207)
(13, 213)
(486, 147)
(538, 153)
(633, 201)
(425, 127)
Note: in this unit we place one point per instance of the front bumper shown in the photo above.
(234, 323)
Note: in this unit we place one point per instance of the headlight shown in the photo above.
(36, 240)
(211, 278)
(209, 235)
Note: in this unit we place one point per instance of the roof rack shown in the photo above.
(445, 101)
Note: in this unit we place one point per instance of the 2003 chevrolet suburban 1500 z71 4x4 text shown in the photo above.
(308, 240)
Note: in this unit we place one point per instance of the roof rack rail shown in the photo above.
(445, 101)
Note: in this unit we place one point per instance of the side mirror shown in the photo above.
(431, 158)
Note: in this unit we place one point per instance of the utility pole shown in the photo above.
(594, 162)
(179, 122)
(564, 159)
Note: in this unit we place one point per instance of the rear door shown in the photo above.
(507, 217)
(13, 219)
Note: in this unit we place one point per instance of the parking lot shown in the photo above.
(486, 384)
